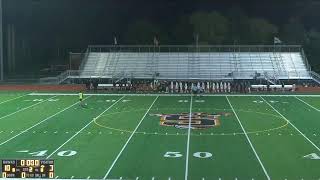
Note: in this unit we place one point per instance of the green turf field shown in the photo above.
(120, 136)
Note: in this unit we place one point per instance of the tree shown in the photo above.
(294, 33)
(142, 32)
(262, 32)
(239, 25)
(312, 48)
(182, 31)
(211, 27)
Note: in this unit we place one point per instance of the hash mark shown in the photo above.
(57, 177)
(120, 178)
(152, 178)
(137, 178)
(88, 177)
(72, 177)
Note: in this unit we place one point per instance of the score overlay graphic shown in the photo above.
(27, 169)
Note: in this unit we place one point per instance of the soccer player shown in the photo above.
(81, 98)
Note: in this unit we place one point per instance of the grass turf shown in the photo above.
(120, 137)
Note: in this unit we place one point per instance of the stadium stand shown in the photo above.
(170, 62)
(251, 64)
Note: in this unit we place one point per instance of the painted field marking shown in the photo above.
(13, 99)
(125, 145)
(291, 124)
(307, 104)
(188, 141)
(245, 133)
(178, 95)
(84, 127)
(26, 108)
(26, 130)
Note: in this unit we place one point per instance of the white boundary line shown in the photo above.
(125, 145)
(291, 124)
(307, 104)
(40, 122)
(13, 99)
(188, 141)
(84, 127)
(26, 108)
(249, 95)
(245, 133)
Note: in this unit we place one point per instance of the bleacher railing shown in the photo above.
(193, 48)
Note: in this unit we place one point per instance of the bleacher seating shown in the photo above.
(196, 65)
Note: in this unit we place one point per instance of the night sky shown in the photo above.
(97, 20)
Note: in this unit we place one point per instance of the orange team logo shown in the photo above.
(199, 120)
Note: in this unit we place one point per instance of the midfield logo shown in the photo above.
(199, 120)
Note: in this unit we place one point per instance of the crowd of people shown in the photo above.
(145, 86)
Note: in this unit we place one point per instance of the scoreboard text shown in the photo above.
(27, 168)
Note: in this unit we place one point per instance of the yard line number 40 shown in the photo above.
(42, 153)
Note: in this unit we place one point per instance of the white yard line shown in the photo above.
(245, 133)
(40, 122)
(13, 99)
(291, 124)
(84, 127)
(188, 141)
(307, 104)
(125, 145)
(26, 108)
(205, 95)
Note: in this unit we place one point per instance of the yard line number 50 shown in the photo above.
(201, 155)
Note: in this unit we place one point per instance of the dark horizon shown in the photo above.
(45, 30)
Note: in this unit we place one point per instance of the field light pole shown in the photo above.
(1, 43)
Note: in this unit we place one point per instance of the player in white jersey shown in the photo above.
(213, 87)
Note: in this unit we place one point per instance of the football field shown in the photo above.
(163, 137)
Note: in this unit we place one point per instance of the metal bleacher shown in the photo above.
(271, 63)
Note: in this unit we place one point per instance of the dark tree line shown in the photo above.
(47, 30)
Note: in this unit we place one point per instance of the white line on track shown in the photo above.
(188, 141)
(291, 124)
(307, 104)
(26, 108)
(84, 127)
(41, 122)
(205, 95)
(125, 145)
(13, 99)
(245, 133)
